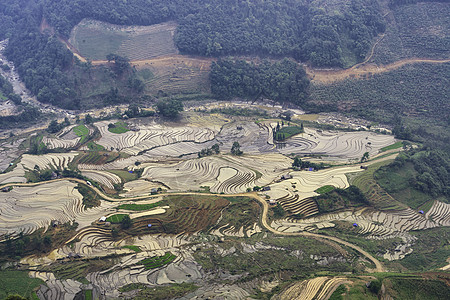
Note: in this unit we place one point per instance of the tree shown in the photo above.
(169, 109)
(126, 222)
(215, 148)
(53, 127)
(365, 157)
(236, 149)
(88, 119)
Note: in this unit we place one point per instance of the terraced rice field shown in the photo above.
(439, 213)
(375, 194)
(103, 177)
(295, 194)
(55, 161)
(53, 142)
(134, 142)
(337, 144)
(317, 288)
(26, 209)
(371, 224)
(227, 174)
(95, 40)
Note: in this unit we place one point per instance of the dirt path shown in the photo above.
(329, 76)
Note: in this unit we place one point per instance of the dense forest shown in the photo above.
(325, 37)
(284, 81)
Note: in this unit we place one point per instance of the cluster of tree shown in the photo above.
(209, 151)
(6, 89)
(236, 149)
(121, 64)
(54, 126)
(222, 27)
(433, 169)
(298, 163)
(169, 108)
(29, 114)
(278, 28)
(283, 81)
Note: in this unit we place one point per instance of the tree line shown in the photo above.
(284, 81)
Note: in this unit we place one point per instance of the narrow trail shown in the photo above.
(264, 216)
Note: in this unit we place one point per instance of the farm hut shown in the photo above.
(266, 188)
(287, 176)
(272, 202)
(154, 190)
(364, 167)
(107, 223)
(131, 171)
(310, 169)
(102, 219)
(355, 225)
(55, 223)
(421, 212)
(149, 225)
(5, 189)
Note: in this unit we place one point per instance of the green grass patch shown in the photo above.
(88, 294)
(17, 282)
(132, 247)
(95, 147)
(81, 131)
(337, 294)
(117, 218)
(139, 207)
(397, 182)
(286, 132)
(90, 198)
(118, 127)
(125, 175)
(157, 261)
(393, 146)
(324, 189)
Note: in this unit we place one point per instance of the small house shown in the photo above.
(55, 223)
(102, 219)
(107, 223)
(266, 188)
(287, 176)
(154, 190)
(272, 202)
(364, 167)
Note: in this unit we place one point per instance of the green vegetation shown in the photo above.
(77, 269)
(134, 248)
(283, 81)
(81, 131)
(157, 261)
(334, 198)
(393, 146)
(373, 192)
(286, 132)
(415, 30)
(118, 127)
(126, 175)
(88, 294)
(209, 151)
(303, 164)
(417, 90)
(171, 291)
(337, 294)
(431, 250)
(18, 282)
(90, 198)
(278, 255)
(324, 189)
(169, 109)
(415, 289)
(236, 149)
(117, 218)
(139, 207)
(95, 147)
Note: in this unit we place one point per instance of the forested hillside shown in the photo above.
(283, 81)
(335, 35)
